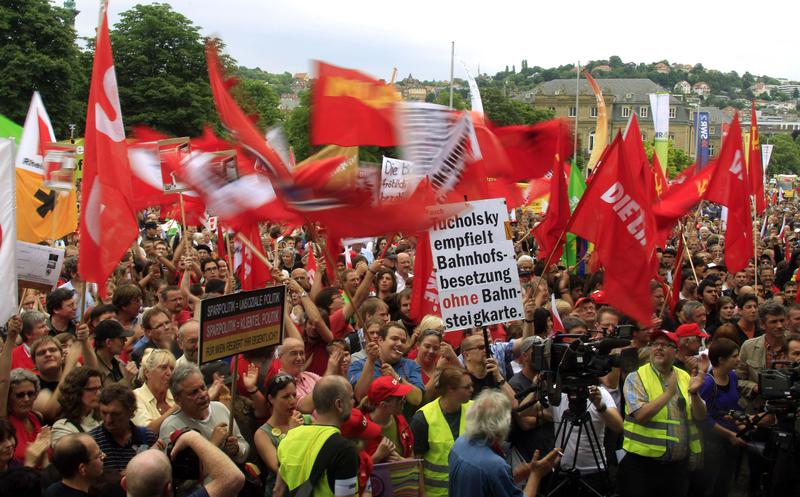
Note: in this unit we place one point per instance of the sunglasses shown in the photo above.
(278, 383)
(22, 395)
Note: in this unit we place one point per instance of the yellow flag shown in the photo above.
(347, 172)
(43, 214)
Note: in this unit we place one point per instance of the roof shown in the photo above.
(620, 88)
(715, 115)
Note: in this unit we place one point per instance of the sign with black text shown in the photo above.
(475, 267)
(240, 322)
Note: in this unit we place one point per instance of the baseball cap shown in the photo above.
(390, 254)
(359, 426)
(385, 387)
(529, 342)
(599, 297)
(110, 328)
(690, 330)
(662, 333)
(582, 301)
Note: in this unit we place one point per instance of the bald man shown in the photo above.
(149, 474)
(293, 362)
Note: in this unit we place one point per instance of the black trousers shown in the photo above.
(646, 477)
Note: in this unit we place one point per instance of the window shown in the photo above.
(712, 130)
(643, 111)
(710, 149)
(644, 136)
(629, 96)
(593, 112)
(552, 109)
(672, 112)
(626, 112)
(591, 142)
(671, 137)
(572, 111)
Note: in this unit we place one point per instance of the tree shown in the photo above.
(504, 111)
(443, 98)
(785, 157)
(161, 71)
(615, 62)
(259, 98)
(39, 53)
(677, 159)
(298, 128)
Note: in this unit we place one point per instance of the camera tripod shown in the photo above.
(577, 417)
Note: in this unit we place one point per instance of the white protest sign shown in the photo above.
(38, 266)
(476, 272)
(766, 154)
(395, 175)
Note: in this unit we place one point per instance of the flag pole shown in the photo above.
(452, 58)
(686, 248)
(671, 287)
(755, 244)
(247, 243)
(230, 260)
(575, 138)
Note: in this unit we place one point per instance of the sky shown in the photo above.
(415, 36)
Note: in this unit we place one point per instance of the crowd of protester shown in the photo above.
(103, 394)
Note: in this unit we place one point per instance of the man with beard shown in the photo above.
(197, 412)
(318, 453)
(188, 336)
(709, 294)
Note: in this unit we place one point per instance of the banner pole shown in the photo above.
(247, 243)
(755, 244)
(234, 392)
(686, 248)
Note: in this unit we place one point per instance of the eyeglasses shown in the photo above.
(21, 395)
(101, 456)
(663, 345)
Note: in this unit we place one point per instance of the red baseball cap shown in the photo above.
(385, 387)
(690, 330)
(359, 426)
(662, 333)
(599, 297)
(582, 301)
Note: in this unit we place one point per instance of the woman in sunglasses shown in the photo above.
(27, 423)
(282, 399)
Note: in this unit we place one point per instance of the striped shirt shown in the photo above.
(117, 456)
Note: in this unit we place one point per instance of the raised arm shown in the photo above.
(13, 327)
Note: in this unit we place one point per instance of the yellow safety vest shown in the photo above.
(440, 440)
(650, 439)
(297, 453)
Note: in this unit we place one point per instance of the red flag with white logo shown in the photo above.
(558, 326)
(614, 214)
(252, 272)
(108, 224)
(424, 294)
(729, 186)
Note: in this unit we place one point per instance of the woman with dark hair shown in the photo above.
(720, 393)
(385, 284)
(542, 322)
(282, 398)
(8, 442)
(79, 397)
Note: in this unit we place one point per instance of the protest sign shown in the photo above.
(240, 322)
(397, 479)
(38, 266)
(395, 177)
(476, 272)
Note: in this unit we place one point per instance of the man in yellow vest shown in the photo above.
(437, 425)
(660, 435)
(318, 455)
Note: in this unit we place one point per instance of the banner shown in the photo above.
(601, 124)
(10, 129)
(8, 232)
(397, 479)
(702, 138)
(659, 105)
(476, 104)
(395, 179)
(346, 174)
(236, 323)
(475, 267)
(766, 155)
(38, 266)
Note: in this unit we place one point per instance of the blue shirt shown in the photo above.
(477, 470)
(406, 368)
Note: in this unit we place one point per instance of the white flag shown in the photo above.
(8, 232)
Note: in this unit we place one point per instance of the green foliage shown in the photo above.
(39, 53)
(161, 71)
(298, 128)
(504, 111)
(259, 98)
(280, 83)
(677, 159)
(443, 98)
(785, 154)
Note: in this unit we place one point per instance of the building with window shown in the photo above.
(623, 98)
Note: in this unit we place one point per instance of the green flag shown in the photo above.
(575, 190)
(10, 129)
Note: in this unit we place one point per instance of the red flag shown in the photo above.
(730, 187)
(252, 272)
(677, 280)
(221, 245)
(684, 175)
(550, 232)
(533, 149)
(658, 174)
(680, 198)
(424, 294)
(614, 214)
(108, 224)
(351, 108)
(558, 325)
(311, 263)
(755, 170)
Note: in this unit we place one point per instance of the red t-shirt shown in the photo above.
(318, 352)
(339, 327)
(274, 367)
(21, 358)
(24, 438)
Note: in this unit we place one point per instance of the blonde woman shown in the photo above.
(154, 401)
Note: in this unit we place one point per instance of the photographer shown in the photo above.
(721, 445)
(786, 474)
(660, 435)
(148, 474)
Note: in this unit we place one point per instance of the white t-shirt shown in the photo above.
(585, 462)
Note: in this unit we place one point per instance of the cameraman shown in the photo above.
(786, 475)
(149, 473)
